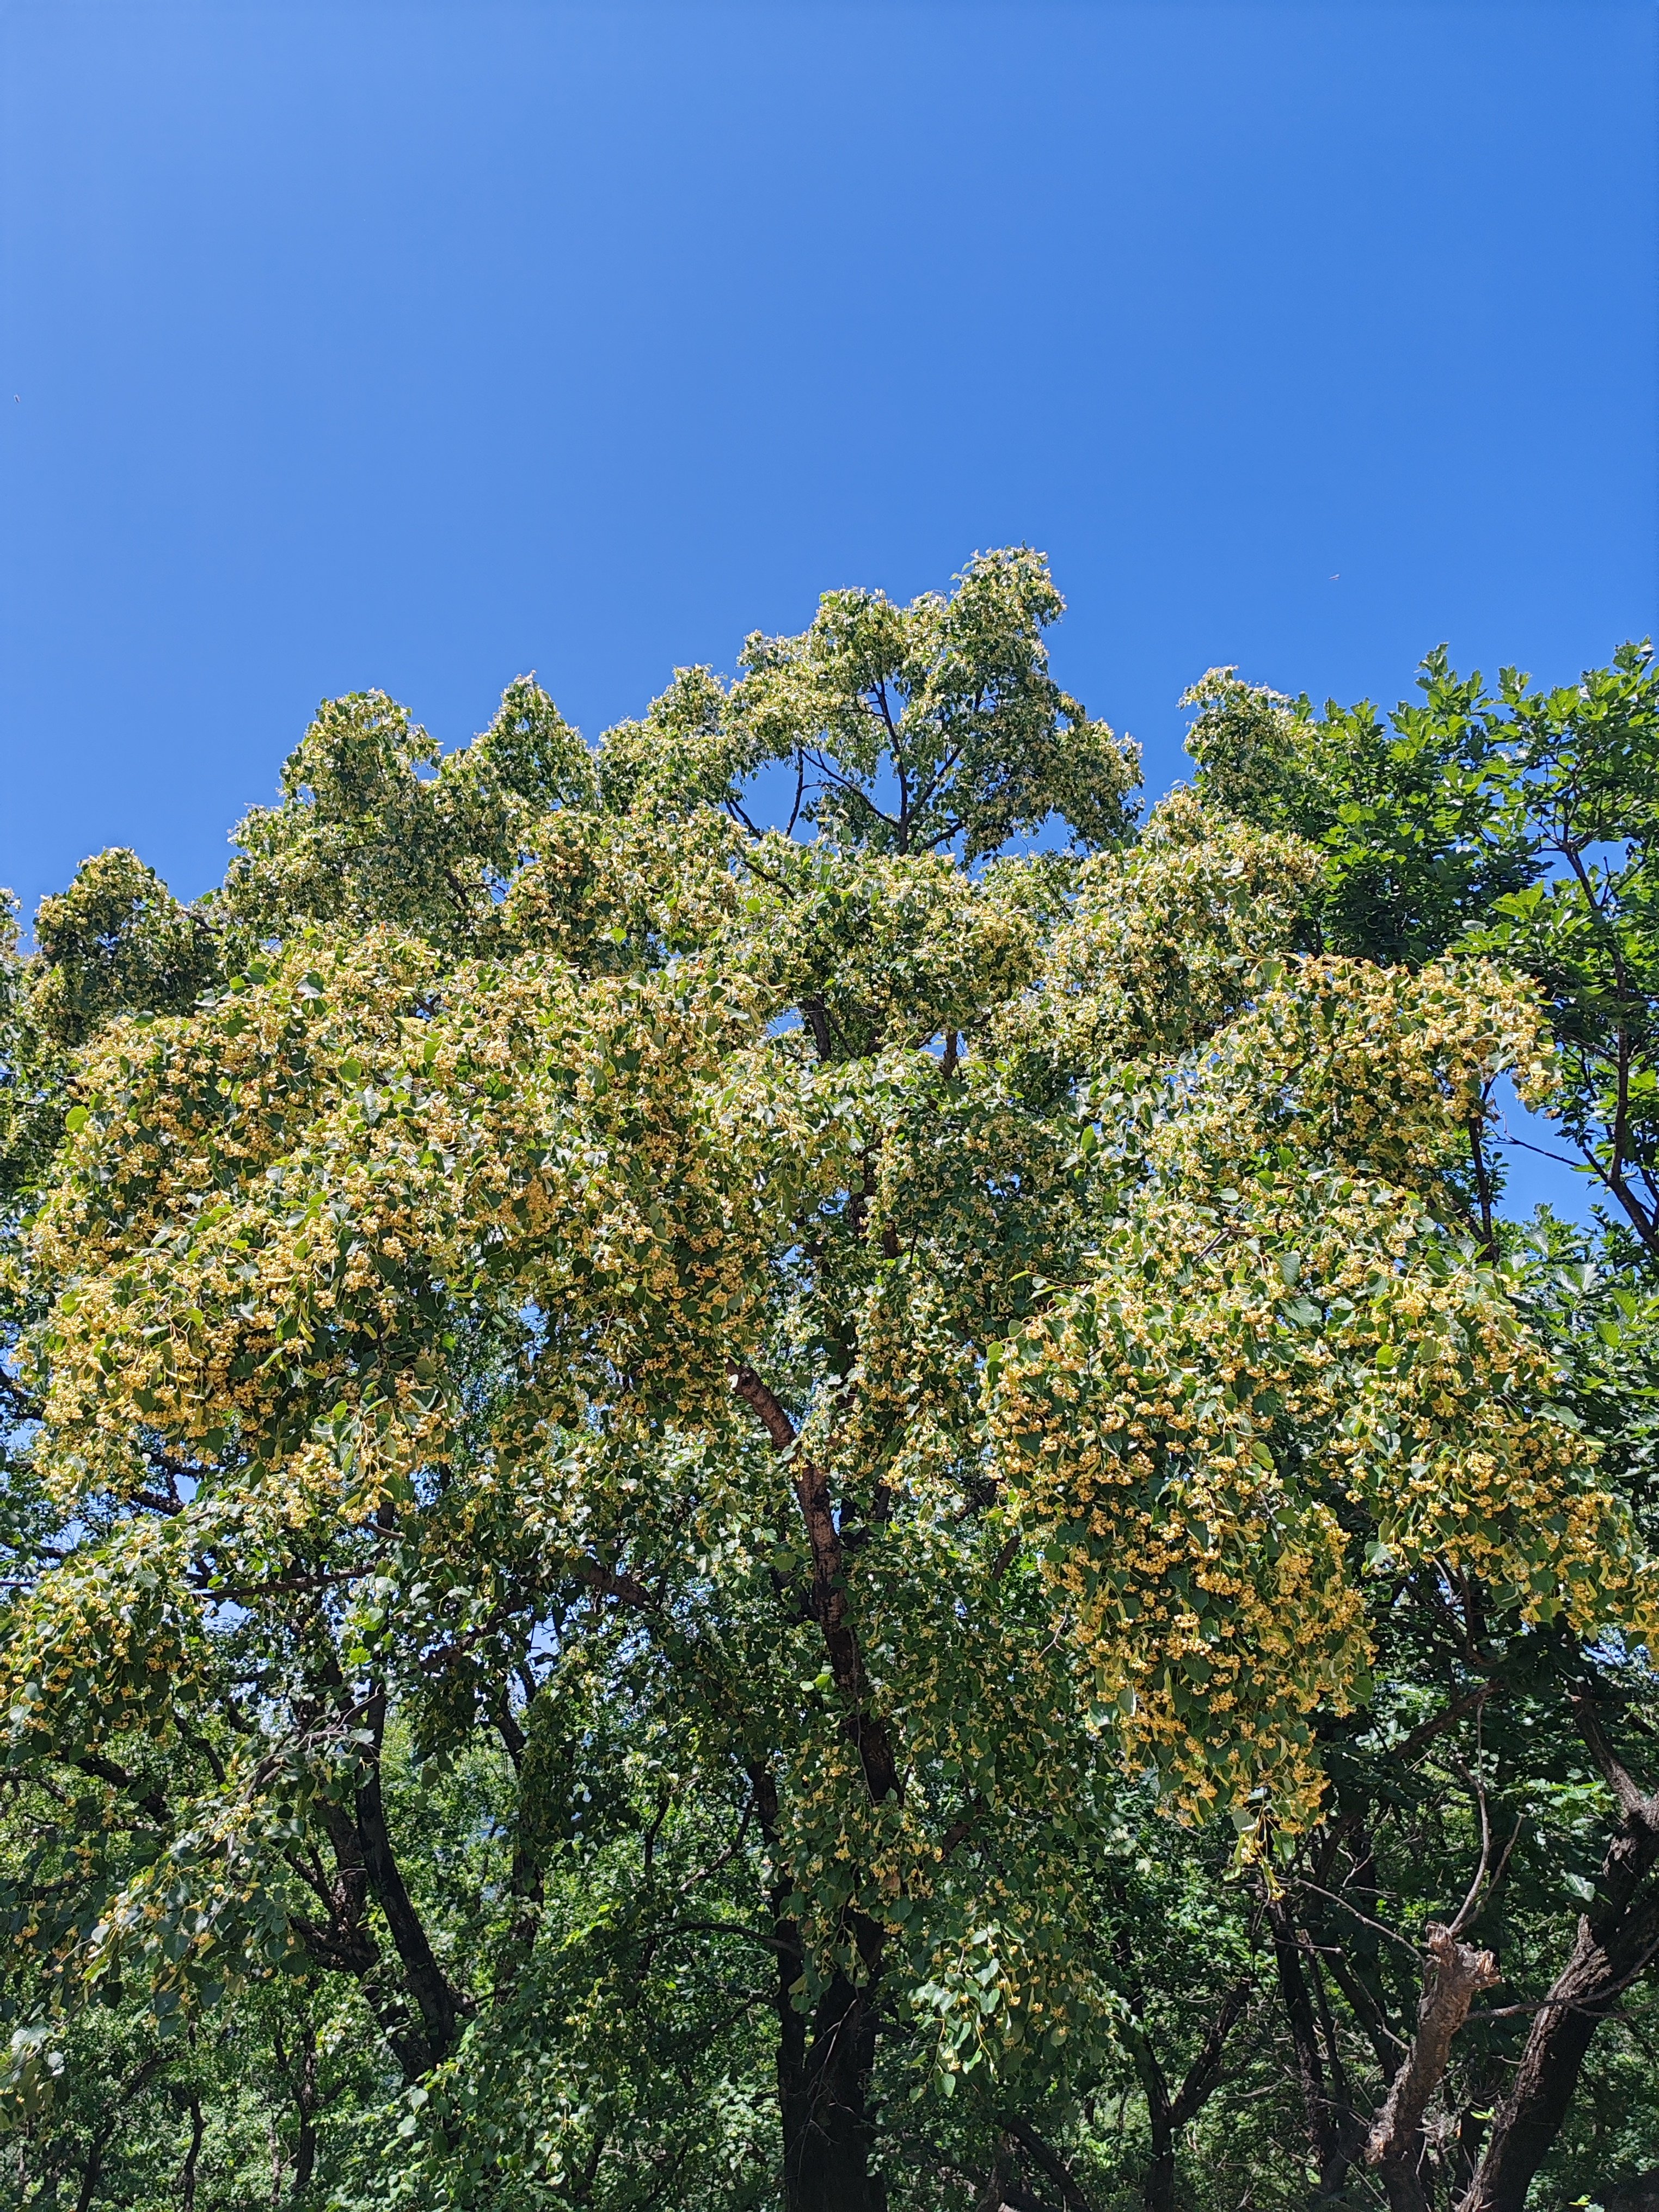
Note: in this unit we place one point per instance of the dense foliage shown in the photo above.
(875, 1511)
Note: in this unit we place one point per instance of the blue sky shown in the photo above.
(415, 346)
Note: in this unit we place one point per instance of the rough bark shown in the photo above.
(1455, 1975)
(1616, 1941)
(1603, 1964)
(1610, 1951)
(826, 2129)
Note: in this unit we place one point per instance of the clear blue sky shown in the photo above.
(415, 346)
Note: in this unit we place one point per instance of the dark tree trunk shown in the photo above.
(187, 2177)
(1157, 2183)
(440, 2006)
(827, 2132)
(365, 1865)
(305, 2101)
(823, 2072)
(792, 2034)
(1167, 2115)
(347, 1946)
(1611, 1950)
(1325, 2129)
(1618, 1938)
(524, 1883)
(92, 2173)
(865, 1727)
(824, 2089)
(1048, 2162)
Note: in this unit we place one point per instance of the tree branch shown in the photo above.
(149, 1801)
(829, 1596)
(1047, 2162)
(1637, 1804)
(1204, 2071)
(1457, 1974)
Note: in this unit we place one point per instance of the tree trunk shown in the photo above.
(92, 2173)
(1606, 1958)
(440, 2008)
(791, 2035)
(1325, 2131)
(347, 1946)
(823, 2085)
(825, 2089)
(305, 2101)
(1618, 1938)
(1047, 2162)
(828, 2132)
(524, 1883)
(1166, 2115)
(366, 1864)
(1157, 2183)
(187, 2177)
(1456, 1973)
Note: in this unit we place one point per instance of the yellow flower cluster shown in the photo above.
(1165, 941)
(102, 1646)
(605, 894)
(1383, 1069)
(1201, 1439)
(278, 1210)
(892, 948)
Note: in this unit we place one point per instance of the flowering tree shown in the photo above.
(841, 1355)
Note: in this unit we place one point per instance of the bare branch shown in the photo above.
(1457, 1974)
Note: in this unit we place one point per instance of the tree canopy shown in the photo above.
(782, 1465)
